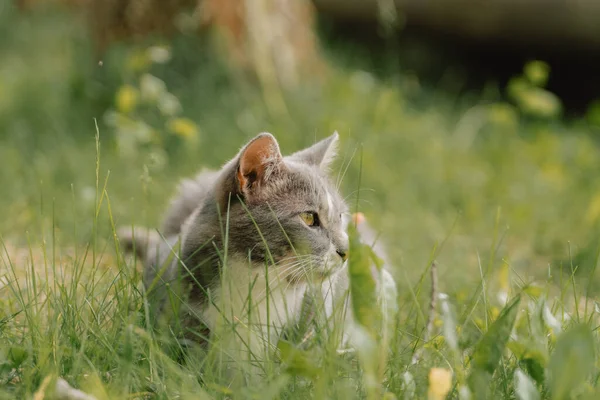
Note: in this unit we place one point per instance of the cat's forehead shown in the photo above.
(314, 187)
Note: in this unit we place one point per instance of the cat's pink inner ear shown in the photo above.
(258, 161)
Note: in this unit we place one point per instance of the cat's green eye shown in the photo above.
(310, 218)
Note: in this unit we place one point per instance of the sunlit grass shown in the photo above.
(81, 314)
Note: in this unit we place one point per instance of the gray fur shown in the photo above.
(321, 154)
(260, 206)
(191, 193)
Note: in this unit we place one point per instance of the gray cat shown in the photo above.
(247, 243)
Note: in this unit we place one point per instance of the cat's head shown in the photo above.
(285, 210)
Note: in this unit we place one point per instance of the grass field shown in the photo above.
(502, 194)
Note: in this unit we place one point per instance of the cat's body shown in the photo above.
(248, 242)
(251, 247)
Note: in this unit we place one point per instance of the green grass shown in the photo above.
(506, 202)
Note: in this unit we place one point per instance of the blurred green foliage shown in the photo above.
(437, 170)
(501, 192)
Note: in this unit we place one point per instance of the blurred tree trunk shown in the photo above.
(115, 20)
(29, 4)
(287, 24)
(272, 39)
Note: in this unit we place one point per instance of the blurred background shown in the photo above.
(469, 129)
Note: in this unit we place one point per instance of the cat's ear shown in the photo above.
(320, 154)
(259, 161)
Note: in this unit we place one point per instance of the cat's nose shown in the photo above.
(342, 253)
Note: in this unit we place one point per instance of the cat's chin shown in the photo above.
(319, 276)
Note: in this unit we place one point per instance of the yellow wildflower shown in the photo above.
(440, 383)
(183, 127)
(138, 61)
(537, 72)
(126, 99)
(494, 312)
(479, 322)
(540, 102)
(593, 211)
